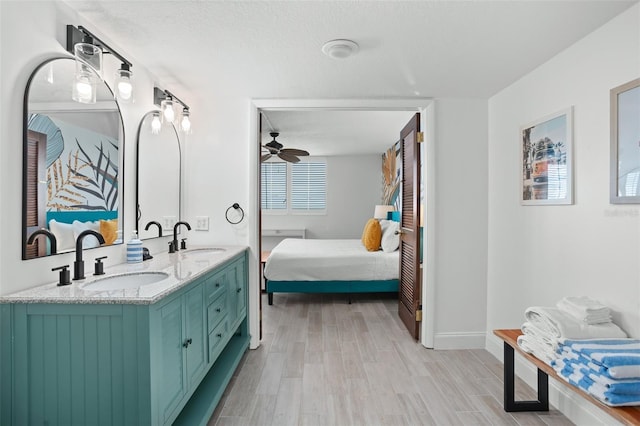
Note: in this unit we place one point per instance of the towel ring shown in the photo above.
(235, 206)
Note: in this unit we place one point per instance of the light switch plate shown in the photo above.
(168, 222)
(202, 223)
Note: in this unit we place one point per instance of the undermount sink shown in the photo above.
(204, 250)
(126, 281)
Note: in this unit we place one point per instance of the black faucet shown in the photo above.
(53, 243)
(175, 233)
(153, 222)
(78, 265)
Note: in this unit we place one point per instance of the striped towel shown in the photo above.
(613, 358)
(616, 393)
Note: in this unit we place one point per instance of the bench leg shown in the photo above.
(510, 405)
(270, 297)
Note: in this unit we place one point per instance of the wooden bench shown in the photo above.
(625, 415)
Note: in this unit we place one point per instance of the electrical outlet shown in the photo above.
(168, 222)
(202, 223)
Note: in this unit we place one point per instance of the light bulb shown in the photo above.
(185, 123)
(123, 84)
(125, 90)
(156, 125)
(84, 89)
(167, 110)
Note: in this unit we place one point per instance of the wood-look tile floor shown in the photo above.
(325, 362)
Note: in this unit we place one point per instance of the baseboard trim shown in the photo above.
(459, 340)
(572, 405)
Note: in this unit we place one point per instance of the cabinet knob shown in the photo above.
(219, 334)
(218, 309)
(238, 290)
(217, 284)
(187, 342)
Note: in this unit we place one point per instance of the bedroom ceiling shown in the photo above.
(272, 49)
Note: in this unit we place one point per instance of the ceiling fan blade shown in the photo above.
(271, 149)
(288, 157)
(265, 157)
(293, 151)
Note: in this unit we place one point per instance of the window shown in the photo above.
(294, 187)
(273, 186)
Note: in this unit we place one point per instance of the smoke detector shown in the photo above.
(340, 48)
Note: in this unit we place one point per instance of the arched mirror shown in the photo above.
(158, 179)
(72, 163)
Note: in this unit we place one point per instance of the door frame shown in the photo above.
(425, 106)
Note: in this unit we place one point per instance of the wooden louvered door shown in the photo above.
(409, 294)
(35, 193)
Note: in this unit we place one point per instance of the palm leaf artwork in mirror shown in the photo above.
(87, 184)
(72, 161)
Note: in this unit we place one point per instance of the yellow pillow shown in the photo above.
(372, 235)
(109, 230)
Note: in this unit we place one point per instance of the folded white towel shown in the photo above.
(545, 338)
(560, 324)
(585, 309)
(536, 348)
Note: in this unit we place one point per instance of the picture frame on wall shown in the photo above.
(625, 143)
(546, 173)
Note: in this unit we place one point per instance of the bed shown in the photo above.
(329, 266)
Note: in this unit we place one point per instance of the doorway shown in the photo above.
(275, 106)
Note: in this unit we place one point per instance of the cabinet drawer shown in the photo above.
(214, 285)
(217, 338)
(216, 311)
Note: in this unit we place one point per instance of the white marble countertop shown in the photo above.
(181, 267)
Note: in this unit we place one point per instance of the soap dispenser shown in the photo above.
(134, 249)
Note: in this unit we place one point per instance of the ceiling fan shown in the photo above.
(276, 148)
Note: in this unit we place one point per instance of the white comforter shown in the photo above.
(296, 259)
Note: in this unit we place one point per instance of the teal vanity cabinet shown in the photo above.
(125, 364)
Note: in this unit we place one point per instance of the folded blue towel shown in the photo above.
(614, 358)
(614, 399)
(621, 386)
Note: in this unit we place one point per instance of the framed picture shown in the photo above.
(546, 147)
(625, 143)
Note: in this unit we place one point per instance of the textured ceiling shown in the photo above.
(272, 49)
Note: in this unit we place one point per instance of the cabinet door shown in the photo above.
(195, 334)
(237, 292)
(172, 358)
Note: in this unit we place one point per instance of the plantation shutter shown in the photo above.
(309, 186)
(273, 186)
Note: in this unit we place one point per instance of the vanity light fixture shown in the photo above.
(168, 113)
(167, 102)
(87, 50)
(124, 86)
(185, 123)
(156, 124)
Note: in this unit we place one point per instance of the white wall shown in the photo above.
(354, 187)
(219, 171)
(538, 254)
(45, 38)
(461, 223)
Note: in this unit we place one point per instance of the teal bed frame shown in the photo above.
(348, 287)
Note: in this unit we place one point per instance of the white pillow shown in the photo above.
(390, 240)
(64, 235)
(89, 241)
